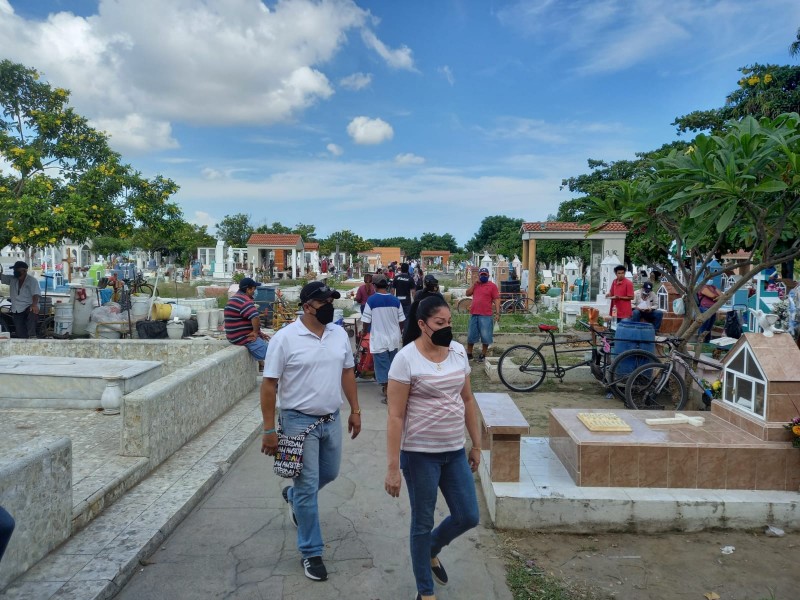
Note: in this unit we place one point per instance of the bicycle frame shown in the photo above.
(677, 357)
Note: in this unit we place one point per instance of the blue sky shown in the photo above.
(388, 117)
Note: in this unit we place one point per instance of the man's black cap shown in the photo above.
(20, 265)
(247, 283)
(317, 290)
(430, 280)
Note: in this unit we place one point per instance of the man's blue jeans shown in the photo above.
(426, 473)
(655, 317)
(257, 348)
(322, 455)
(705, 327)
(6, 529)
(382, 361)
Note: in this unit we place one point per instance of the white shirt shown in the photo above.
(308, 368)
(385, 313)
(642, 298)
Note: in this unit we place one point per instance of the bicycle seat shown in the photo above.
(548, 327)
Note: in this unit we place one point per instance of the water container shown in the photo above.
(630, 335)
(180, 311)
(175, 330)
(105, 295)
(266, 292)
(203, 319)
(139, 305)
(63, 320)
(82, 309)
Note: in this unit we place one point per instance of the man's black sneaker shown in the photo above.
(481, 358)
(314, 568)
(285, 494)
(439, 574)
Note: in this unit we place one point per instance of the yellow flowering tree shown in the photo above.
(64, 180)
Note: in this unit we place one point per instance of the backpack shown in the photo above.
(732, 326)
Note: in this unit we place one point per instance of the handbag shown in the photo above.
(678, 306)
(289, 456)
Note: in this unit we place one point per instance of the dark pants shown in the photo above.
(655, 317)
(25, 324)
(6, 529)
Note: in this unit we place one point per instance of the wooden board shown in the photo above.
(603, 422)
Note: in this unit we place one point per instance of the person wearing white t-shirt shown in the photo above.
(384, 313)
(313, 361)
(645, 306)
(430, 401)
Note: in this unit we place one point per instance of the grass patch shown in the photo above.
(511, 323)
(528, 582)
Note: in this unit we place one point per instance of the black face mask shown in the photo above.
(442, 337)
(324, 313)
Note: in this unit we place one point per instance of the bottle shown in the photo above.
(614, 318)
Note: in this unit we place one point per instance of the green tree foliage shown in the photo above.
(498, 234)
(433, 241)
(235, 230)
(738, 189)
(409, 246)
(763, 91)
(65, 182)
(348, 242)
(307, 232)
(276, 227)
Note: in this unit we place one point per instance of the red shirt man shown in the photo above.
(621, 294)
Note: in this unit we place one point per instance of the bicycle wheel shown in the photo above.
(521, 368)
(655, 387)
(463, 305)
(509, 306)
(145, 288)
(623, 365)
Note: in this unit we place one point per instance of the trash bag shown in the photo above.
(733, 328)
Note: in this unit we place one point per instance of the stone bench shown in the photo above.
(502, 425)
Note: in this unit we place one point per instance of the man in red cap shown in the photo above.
(485, 297)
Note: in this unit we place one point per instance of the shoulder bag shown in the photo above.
(289, 456)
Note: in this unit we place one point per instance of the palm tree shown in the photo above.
(794, 49)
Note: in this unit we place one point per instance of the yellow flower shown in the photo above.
(754, 79)
(796, 430)
(15, 240)
(716, 385)
(767, 78)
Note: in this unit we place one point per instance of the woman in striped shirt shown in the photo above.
(430, 401)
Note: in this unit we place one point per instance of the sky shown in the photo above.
(388, 117)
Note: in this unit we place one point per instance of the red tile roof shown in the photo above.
(568, 226)
(435, 253)
(311, 245)
(273, 239)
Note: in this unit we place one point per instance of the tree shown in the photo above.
(307, 232)
(433, 241)
(739, 189)
(276, 227)
(235, 230)
(794, 48)
(64, 180)
(348, 242)
(408, 246)
(498, 234)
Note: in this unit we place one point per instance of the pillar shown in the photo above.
(294, 264)
(530, 264)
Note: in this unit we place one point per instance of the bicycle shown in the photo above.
(516, 303)
(139, 285)
(657, 386)
(522, 368)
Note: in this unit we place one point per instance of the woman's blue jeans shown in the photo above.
(426, 473)
(322, 455)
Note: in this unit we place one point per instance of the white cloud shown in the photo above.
(212, 174)
(522, 128)
(409, 159)
(397, 59)
(356, 81)
(335, 149)
(447, 73)
(368, 131)
(203, 218)
(203, 62)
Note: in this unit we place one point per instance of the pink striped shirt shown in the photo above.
(435, 411)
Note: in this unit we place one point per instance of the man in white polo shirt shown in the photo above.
(313, 361)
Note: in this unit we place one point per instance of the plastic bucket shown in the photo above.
(204, 319)
(62, 325)
(632, 335)
(160, 312)
(180, 311)
(139, 305)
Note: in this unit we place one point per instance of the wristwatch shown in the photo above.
(356, 411)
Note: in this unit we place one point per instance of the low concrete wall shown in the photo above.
(159, 418)
(36, 489)
(173, 354)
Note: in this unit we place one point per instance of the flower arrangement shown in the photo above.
(794, 427)
(716, 388)
(543, 287)
(782, 310)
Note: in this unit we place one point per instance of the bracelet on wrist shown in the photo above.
(475, 448)
(268, 431)
(356, 411)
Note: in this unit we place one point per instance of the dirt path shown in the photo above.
(674, 566)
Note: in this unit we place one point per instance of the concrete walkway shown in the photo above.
(239, 543)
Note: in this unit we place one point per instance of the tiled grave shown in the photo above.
(717, 455)
(66, 382)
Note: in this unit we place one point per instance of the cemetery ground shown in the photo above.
(667, 566)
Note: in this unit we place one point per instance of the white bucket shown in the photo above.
(175, 330)
(62, 325)
(139, 305)
(180, 311)
(204, 319)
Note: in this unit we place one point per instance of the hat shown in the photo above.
(317, 290)
(20, 265)
(647, 286)
(379, 281)
(483, 270)
(430, 280)
(247, 283)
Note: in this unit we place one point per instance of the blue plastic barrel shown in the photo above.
(266, 292)
(632, 335)
(105, 295)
